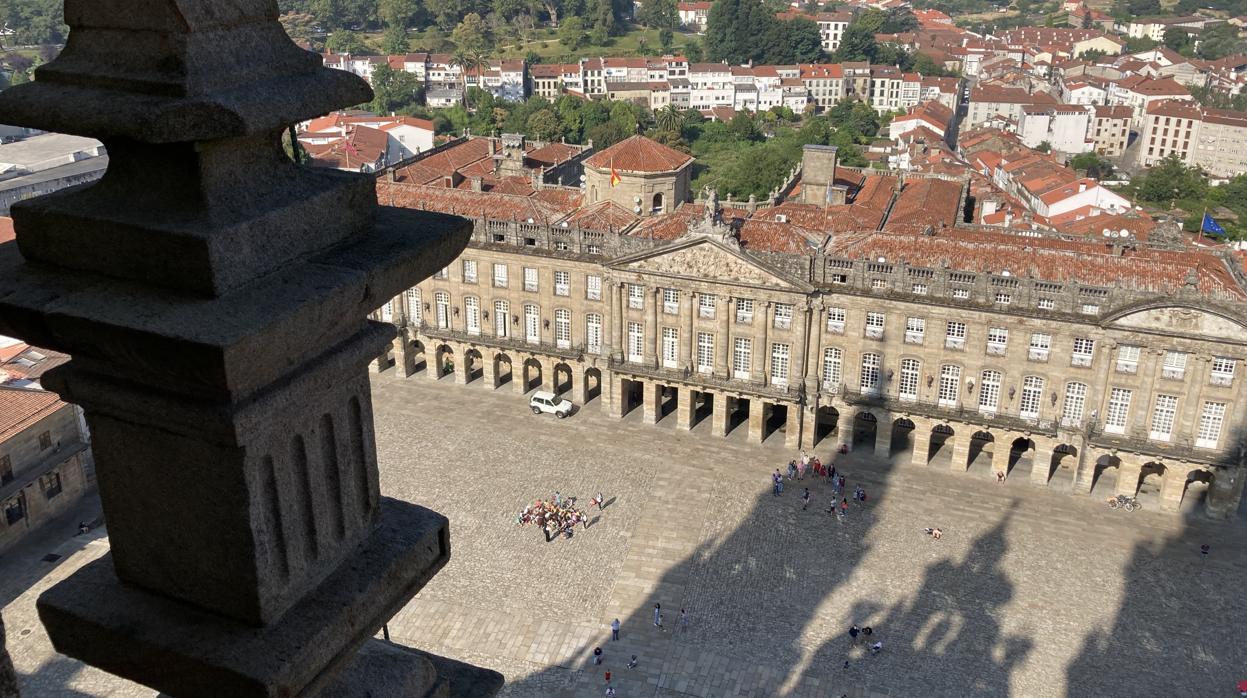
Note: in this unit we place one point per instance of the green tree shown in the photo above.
(1092, 164)
(299, 26)
(1178, 40)
(394, 41)
(607, 134)
(794, 41)
(623, 114)
(743, 127)
(692, 51)
(446, 13)
(857, 43)
(470, 35)
(398, 14)
(670, 118)
(394, 90)
(572, 33)
(1044, 147)
(1169, 181)
(659, 14)
(343, 41)
(343, 14)
(544, 125)
(665, 39)
(897, 20)
(1219, 41)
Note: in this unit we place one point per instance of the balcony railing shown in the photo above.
(938, 410)
(1139, 440)
(695, 378)
(569, 352)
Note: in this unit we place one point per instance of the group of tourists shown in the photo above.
(557, 516)
(797, 469)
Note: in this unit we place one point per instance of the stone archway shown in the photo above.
(562, 378)
(443, 360)
(657, 201)
(473, 365)
(940, 444)
(902, 439)
(1063, 465)
(419, 362)
(826, 423)
(1148, 486)
(532, 374)
(503, 371)
(865, 428)
(1195, 491)
(1021, 449)
(982, 452)
(593, 384)
(1101, 466)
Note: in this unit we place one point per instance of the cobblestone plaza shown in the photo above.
(1030, 592)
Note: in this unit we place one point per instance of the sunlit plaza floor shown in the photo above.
(1030, 593)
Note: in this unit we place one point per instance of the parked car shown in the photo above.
(544, 401)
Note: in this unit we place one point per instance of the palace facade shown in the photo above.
(851, 308)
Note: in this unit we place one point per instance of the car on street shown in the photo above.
(546, 402)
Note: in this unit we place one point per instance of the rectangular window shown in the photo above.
(961, 293)
(443, 273)
(915, 330)
(563, 328)
(1174, 366)
(1032, 397)
(1003, 298)
(997, 340)
(1075, 404)
(442, 302)
(742, 357)
(832, 368)
(6, 469)
(783, 316)
(779, 364)
(907, 387)
(835, 320)
(705, 305)
(1222, 371)
(469, 271)
(1089, 309)
(1163, 413)
(502, 319)
(1083, 350)
(562, 283)
(955, 335)
(670, 347)
(879, 284)
(593, 287)
(635, 342)
(868, 379)
(387, 312)
(593, 249)
(1210, 421)
(14, 510)
(989, 391)
(919, 289)
(50, 484)
(1040, 345)
(1118, 411)
(532, 324)
(950, 385)
(744, 311)
(705, 352)
(670, 301)
(472, 311)
(1128, 359)
(500, 276)
(1045, 303)
(636, 297)
(593, 333)
(874, 325)
(530, 279)
(415, 313)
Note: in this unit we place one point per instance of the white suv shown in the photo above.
(544, 401)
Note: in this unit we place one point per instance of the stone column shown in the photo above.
(1173, 486)
(461, 365)
(961, 452)
(883, 437)
(404, 356)
(489, 372)
(762, 347)
(518, 377)
(1041, 462)
(718, 416)
(653, 335)
(757, 422)
(649, 403)
(433, 361)
(1128, 476)
(578, 383)
(380, 363)
(921, 436)
(1085, 477)
(612, 395)
(1001, 453)
(845, 426)
(726, 311)
(214, 297)
(809, 420)
(792, 427)
(684, 409)
(688, 334)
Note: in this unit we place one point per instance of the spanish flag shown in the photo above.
(615, 180)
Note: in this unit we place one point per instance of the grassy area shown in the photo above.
(545, 43)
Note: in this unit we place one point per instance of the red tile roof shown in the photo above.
(639, 154)
(6, 230)
(925, 202)
(20, 408)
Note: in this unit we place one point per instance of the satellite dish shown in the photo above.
(564, 224)
(1005, 273)
(1107, 233)
(882, 260)
(530, 220)
(637, 209)
(582, 178)
(1124, 233)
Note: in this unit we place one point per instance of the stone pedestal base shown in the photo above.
(176, 648)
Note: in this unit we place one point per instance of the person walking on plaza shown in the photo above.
(792, 470)
(658, 616)
(805, 499)
(853, 633)
(844, 506)
(597, 499)
(777, 483)
(614, 630)
(597, 655)
(683, 620)
(558, 499)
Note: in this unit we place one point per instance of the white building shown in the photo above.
(1065, 127)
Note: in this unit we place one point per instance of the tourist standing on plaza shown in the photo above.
(658, 616)
(597, 655)
(614, 630)
(844, 506)
(597, 500)
(777, 483)
(792, 470)
(853, 633)
(683, 620)
(805, 499)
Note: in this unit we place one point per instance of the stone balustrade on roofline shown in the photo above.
(214, 297)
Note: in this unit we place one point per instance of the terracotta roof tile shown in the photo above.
(639, 154)
(22, 407)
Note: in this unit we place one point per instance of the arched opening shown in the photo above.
(593, 384)
(902, 439)
(657, 203)
(826, 419)
(982, 451)
(532, 375)
(502, 369)
(444, 360)
(1195, 492)
(1147, 489)
(940, 446)
(473, 364)
(1102, 465)
(419, 361)
(1062, 466)
(562, 378)
(1021, 451)
(865, 427)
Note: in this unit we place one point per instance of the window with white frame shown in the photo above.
(833, 364)
(670, 301)
(961, 294)
(1089, 309)
(874, 325)
(1032, 397)
(1163, 413)
(562, 283)
(532, 324)
(636, 296)
(997, 340)
(1041, 344)
(502, 319)
(705, 305)
(918, 289)
(1075, 404)
(670, 347)
(530, 279)
(1174, 365)
(1210, 421)
(442, 300)
(950, 384)
(1045, 304)
(469, 271)
(1003, 298)
(1083, 350)
(955, 335)
(907, 386)
(835, 320)
(779, 364)
(915, 330)
(592, 248)
(415, 312)
(783, 316)
(636, 338)
(705, 352)
(593, 333)
(879, 284)
(868, 378)
(1222, 371)
(443, 273)
(500, 276)
(593, 287)
(989, 391)
(387, 312)
(1118, 411)
(744, 311)
(472, 314)
(1128, 359)
(562, 328)
(742, 357)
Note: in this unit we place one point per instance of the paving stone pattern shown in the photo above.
(1030, 593)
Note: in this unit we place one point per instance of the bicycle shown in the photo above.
(1122, 501)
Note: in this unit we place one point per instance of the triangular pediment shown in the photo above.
(1182, 321)
(706, 260)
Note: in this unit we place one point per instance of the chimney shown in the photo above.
(1082, 187)
(752, 206)
(477, 184)
(493, 146)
